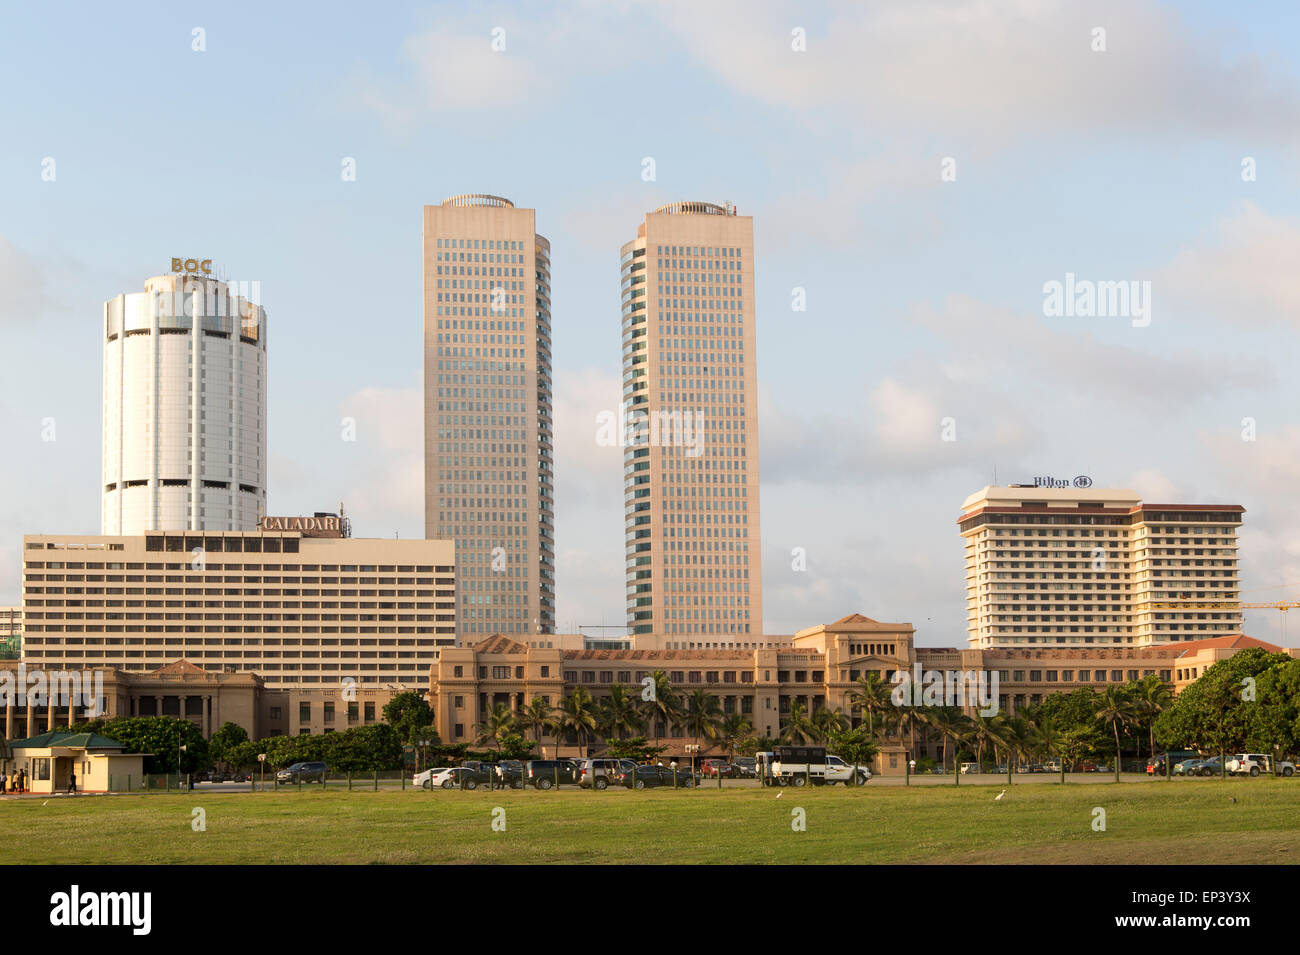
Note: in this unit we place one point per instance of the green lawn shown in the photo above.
(1147, 822)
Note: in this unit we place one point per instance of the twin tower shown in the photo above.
(185, 415)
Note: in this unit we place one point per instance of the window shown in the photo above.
(370, 712)
(275, 713)
(304, 712)
(458, 671)
(546, 671)
(501, 673)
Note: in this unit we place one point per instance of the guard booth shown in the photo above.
(51, 758)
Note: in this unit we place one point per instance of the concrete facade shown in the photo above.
(690, 413)
(1079, 567)
(488, 430)
(184, 408)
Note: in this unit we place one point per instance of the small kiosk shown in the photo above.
(51, 758)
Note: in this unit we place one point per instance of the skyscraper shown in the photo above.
(693, 561)
(1087, 566)
(184, 406)
(488, 451)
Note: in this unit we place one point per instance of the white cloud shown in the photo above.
(1244, 268)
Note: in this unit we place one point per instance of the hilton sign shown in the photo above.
(1082, 481)
(328, 526)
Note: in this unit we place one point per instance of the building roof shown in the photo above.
(1232, 641)
(498, 643)
(854, 618)
(651, 655)
(179, 666)
(66, 739)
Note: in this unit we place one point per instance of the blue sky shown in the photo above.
(924, 296)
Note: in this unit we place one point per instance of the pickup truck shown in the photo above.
(799, 765)
(1253, 764)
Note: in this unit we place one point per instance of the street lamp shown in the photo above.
(911, 768)
(180, 748)
(261, 759)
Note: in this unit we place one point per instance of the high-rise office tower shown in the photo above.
(690, 473)
(184, 407)
(488, 451)
(1077, 567)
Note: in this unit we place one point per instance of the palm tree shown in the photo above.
(498, 722)
(618, 715)
(872, 695)
(1152, 700)
(703, 715)
(830, 722)
(663, 704)
(577, 715)
(537, 717)
(798, 727)
(1116, 708)
(1048, 738)
(950, 723)
(734, 728)
(985, 731)
(911, 715)
(1018, 734)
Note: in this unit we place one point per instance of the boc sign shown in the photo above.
(197, 266)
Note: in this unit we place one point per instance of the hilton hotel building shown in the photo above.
(690, 480)
(488, 449)
(1074, 568)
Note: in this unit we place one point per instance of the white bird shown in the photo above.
(46, 803)
(999, 795)
(779, 795)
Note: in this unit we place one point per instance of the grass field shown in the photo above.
(1152, 822)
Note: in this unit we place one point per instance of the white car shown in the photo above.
(424, 780)
(1256, 763)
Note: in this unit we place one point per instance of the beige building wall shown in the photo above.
(691, 485)
(1092, 567)
(302, 612)
(488, 430)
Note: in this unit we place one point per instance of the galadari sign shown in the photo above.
(327, 526)
(1081, 482)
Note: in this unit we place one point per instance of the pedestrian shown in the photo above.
(22, 780)
(72, 783)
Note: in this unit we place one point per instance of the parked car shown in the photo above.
(1156, 764)
(1085, 766)
(717, 767)
(1254, 764)
(1187, 767)
(424, 780)
(302, 773)
(510, 772)
(545, 773)
(240, 777)
(644, 777)
(599, 773)
(746, 767)
(454, 777)
(1210, 767)
(214, 776)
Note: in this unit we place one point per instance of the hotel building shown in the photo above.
(691, 507)
(488, 447)
(184, 408)
(301, 612)
(1079, 567)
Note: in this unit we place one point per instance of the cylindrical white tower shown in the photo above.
(184, 408)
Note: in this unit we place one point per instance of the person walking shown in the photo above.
(22, 780)
(72, 783)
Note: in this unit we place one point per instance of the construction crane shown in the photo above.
(1238, 605)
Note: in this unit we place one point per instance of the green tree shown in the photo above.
(537, 717)
(1116, 708)
(734, 731)
(408, 713)
(663, 705)
(618, 715)
(514, 746)
(498, 723)
(634, 749)
(798, 727)
(577, 715)
(871, 695)
(224, 740)
(829, 722)
(703, 716)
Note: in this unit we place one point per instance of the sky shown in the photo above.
(918, 172)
